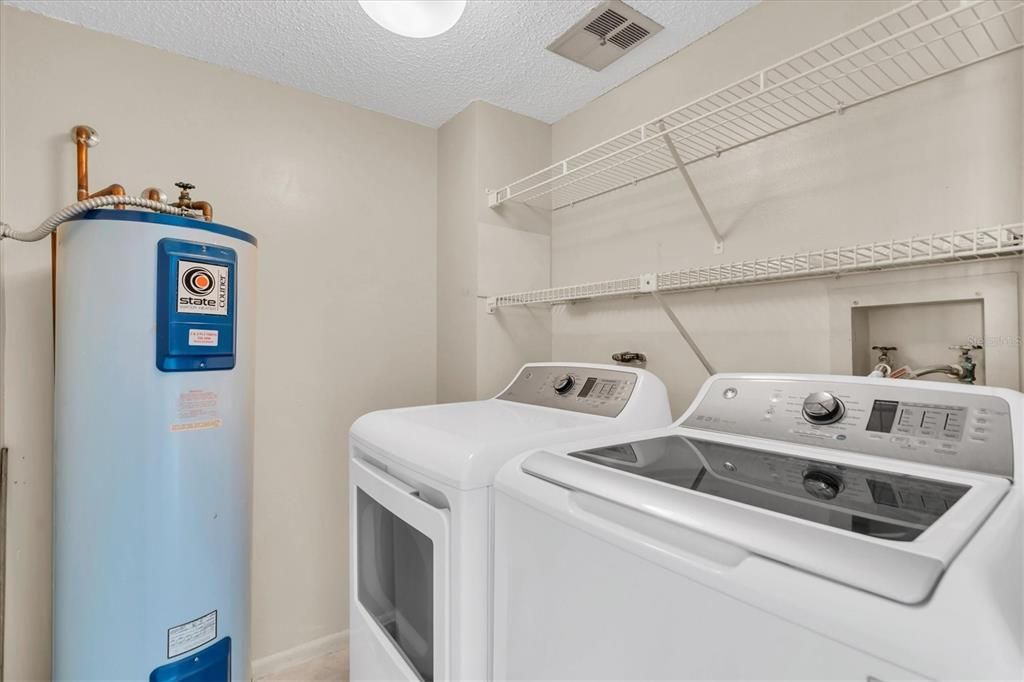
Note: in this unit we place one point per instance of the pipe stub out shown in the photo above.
(86, 134)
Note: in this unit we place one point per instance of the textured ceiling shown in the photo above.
(495, 53)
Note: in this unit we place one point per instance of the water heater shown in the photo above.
(154, 438)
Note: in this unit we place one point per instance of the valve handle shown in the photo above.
(184, 185)
(884, 348)
(967, 347)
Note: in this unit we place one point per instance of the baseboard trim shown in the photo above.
(288, 658)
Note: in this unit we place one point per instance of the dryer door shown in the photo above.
(401, 575)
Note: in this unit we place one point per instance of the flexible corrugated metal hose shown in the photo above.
(78, 208)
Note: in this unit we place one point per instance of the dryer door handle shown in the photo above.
(385, 477)
(365, 468)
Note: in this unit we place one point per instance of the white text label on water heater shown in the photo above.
(191, 635)
(202, 288)
(203, 337)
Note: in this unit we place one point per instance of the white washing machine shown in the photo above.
(422, 509)
(787, 527)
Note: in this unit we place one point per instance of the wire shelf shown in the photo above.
(970, 245)
(914, 43)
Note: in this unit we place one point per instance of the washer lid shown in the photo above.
(464, 444)
(875, 503)
(886, 531)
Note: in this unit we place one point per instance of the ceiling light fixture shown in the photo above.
(415, 18)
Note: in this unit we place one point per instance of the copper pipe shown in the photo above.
(53, 290)
(82, 136)
(112, 190)
(153, 194)
(205, 207)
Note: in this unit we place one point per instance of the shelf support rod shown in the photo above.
(682, 332)
(719, 245)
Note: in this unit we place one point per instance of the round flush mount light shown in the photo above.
(415, 18)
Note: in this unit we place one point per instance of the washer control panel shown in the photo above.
(592, 390)
(900, 420)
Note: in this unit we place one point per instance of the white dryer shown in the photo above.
(786, 527)
(422, 509)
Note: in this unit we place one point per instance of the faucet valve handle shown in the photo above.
(184, 200)
(968, 367)
(883, 353)
(629, 357)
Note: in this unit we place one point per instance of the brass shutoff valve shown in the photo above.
(184, 200)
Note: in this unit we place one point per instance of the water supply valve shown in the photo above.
(883, 353)
(184, 200)
(883, 365)
(629, 357)
(967, 364)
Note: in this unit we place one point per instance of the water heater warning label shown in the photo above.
(202, 288)
(197, 410)
(191, 635)
(203, 337)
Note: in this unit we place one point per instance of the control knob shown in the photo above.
(822, 407)
(564, 384)
(822, 485)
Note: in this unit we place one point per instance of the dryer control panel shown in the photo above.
(902, 419)
(592, 390)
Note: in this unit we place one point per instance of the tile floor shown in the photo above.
(333, 666)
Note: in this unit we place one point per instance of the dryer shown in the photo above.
(422, 508)
(786, 527)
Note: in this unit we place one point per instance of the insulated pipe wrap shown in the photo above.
(50, 224)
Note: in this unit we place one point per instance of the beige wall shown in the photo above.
(340, 197)
(941, 156)
(456, 261)
(482, 251)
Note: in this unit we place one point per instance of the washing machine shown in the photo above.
(422, 509)
(786, 527)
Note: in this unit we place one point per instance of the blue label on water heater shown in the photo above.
(195, 310)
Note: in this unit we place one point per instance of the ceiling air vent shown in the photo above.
(608, 31)
(629, 36)
(606, 22)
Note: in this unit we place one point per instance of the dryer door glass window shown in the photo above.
(396, 581)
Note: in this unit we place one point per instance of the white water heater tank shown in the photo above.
(154, 438)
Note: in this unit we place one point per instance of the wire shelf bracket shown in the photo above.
(909, 45)
(674, 319)
(708, 220)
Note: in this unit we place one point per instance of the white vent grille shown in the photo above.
(608, 31)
